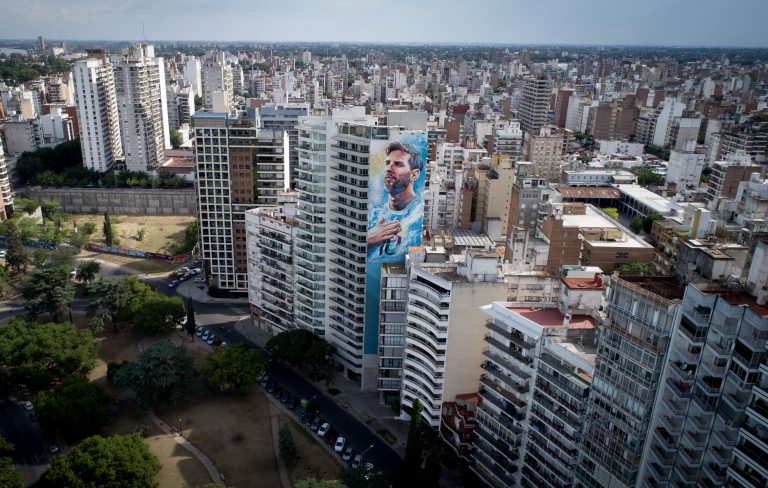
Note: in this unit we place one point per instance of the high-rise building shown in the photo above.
(642, 315)
(270, 239)
(443, 342)
(217, 83)
(193, 74)
(238, 167)
(143, 107)
(534, 104)
(312, 235)
(285, 117)
(5, 187)
(546, 148)
(97, 113)
(538, 365)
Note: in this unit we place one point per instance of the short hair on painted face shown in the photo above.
(415, 160)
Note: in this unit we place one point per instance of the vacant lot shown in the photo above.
(313, 460)
(161, 233)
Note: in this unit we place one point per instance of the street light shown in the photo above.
(181, 434)
(363, 453)
(306, 405)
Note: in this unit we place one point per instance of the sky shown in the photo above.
(602, 22)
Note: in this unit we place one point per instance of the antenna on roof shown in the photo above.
(143, 34)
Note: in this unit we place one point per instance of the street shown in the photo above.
(17, 427)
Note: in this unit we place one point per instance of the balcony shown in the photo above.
(516, 371)
(715, 473)
(665, 439)
(710, 384)
(677, 409)
(699, 313)
(680, 388)
(501, 390)
(685, 371)
(673, 425)
(509, 349)
(695, 334)
(504, 448)
(666, 459)
(513, 337)
(504, 421)
(753, 454)
(746, 478)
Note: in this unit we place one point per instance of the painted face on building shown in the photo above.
(398, 174)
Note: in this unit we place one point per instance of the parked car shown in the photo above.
(291, 403)
(217, 342)
(223, 344)
(201, 279)
(173, 283)
(183, 321)
(339, 446)
(3, 253)
(52, 448)
(331, 437)
(302, 417)
(323, 429)
(270, 386)
(205, 335)
(356, 461)
(315, 424)
(199, 331)
(27, 405)
(347, 454)
(278, 391)
(285, 397)
(264, 381)
(114, 406)
(210, 339)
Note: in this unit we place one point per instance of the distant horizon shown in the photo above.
(651, 23)
(381, 43)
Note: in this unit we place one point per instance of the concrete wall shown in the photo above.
(119, 201)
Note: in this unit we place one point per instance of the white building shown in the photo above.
(193, 73)
(55, 128)
(685, 167)
(21, 135)
(217, 77)
(97, 112)
(143, 107)
(270, 233)
(5, 186)
(444, 333)
(634, 149)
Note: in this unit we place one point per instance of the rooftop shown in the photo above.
(655, 202)
(595, 283)
(664, 287)
(551, 318)
(587, 192)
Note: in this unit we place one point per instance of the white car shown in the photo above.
(206, 335)
(323, 429)
(198, 331)
(183, 321)
(200, 280)
(210, 339)
(3, 253)
(339, 446)
(27, 405)
(357, 461)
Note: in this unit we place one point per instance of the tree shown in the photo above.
(159, 314)
(302, 347)
(16, 257)
(139, 293)
(49, 290)
(612, 213)
(34, 355)
(636, 225)
(362, 478)
(191, 324)
(9, 477)
(6, 283)
(430, 475)
(77, 408)
(51, 210)
(647, 177)
(120, 461)
(234, 368)
(162, 377)
(411, 467)
(634, 269)
(649, 220)
(175, 138)
(198, 102)
(109, 238)
(287, 446)
(108, 297)
(87, 271)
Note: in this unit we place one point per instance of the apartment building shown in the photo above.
(217, 83)
(538, 366)
(6, 192)
(642, 314)
(444, 333)
(546, 148)
(97, 113)
(143, 107)
(748, 468)
(270, 233)
(534, 104)
(712, 366)
(239, 167)
(285, 117)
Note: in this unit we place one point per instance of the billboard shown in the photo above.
(396, 176)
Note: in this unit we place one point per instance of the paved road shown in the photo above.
(16, 427)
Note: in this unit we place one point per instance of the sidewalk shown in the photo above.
(364, 405)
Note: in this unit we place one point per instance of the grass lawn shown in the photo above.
(161, 232)
(313, 460)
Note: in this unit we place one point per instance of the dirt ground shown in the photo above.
(313, 461)
(160, 232)
(233, 430)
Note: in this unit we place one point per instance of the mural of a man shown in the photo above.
(393, 226)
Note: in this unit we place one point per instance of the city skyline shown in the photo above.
(552, 22)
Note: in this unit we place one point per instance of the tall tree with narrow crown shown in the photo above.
(411, 469)
(108, 237)
(190, 325)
